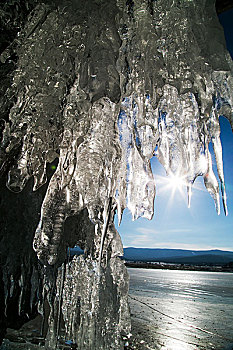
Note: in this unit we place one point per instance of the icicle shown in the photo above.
(106, 216)
(211, 183)
(189, 192)
(21, 285)
(62, 279)
(224, 198)
(141, 187)
(218, 156)
(40, 177)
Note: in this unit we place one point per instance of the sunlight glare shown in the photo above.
(176, 181)
(171, 183)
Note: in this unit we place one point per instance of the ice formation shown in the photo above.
(100, 85)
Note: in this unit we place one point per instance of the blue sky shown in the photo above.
(174, 224)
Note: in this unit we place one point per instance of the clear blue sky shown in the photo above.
(174, 224)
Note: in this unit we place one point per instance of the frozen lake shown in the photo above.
(186, 310)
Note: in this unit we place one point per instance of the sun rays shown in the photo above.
(174, 183)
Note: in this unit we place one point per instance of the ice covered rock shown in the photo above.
(100, 87)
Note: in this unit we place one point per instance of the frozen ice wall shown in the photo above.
(100, 85)
(177, 84)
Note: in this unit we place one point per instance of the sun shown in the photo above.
(173, 183)
(176, 181)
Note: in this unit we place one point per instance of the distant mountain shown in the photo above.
(179, 256)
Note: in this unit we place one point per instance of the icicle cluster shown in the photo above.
(177, 85)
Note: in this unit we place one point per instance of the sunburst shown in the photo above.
(177, 182)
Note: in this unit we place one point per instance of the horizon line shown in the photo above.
(201, 249)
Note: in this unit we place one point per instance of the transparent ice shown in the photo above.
(104, 88)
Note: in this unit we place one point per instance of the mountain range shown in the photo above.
(179, 256)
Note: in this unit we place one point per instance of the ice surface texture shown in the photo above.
(100, 85)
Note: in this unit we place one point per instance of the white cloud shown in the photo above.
(179, 230)
(145, 230)
(141, 241)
